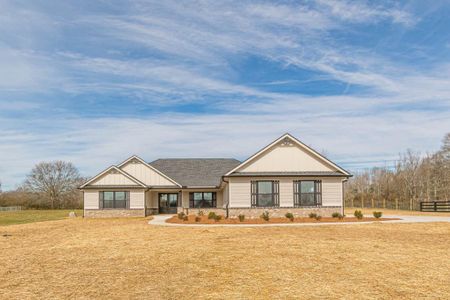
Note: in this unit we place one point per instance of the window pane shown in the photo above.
(308, 200)
(120, 204)
(265, 200)
(264, 187)
(307, 186)
(173, 200)
(198, 196)
(162, 200)
(207, 196)
(108, 204)
(108, 196)
(120, 195)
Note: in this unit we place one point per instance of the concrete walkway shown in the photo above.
(160, 220)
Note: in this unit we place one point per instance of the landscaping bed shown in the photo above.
(192, 219)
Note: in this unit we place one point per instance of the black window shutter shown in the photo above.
(214, 200)
(127, 200)
(253, 193)
(191, 200)
(276, 194)
(100, 202)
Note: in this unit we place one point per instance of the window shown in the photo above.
(113, 199)
(202, 199)
(307, 193)
(265, 193)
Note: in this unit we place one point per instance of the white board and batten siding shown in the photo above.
(240, 191)
(113, 178)
(145, 174)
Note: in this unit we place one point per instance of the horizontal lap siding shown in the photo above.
(91, 199)
(137, 199)
(240, 191)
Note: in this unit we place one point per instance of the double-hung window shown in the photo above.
(307, 193)
(202, 199)
(265, 193)
(114, 199)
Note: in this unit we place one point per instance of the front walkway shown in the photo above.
(161, 221)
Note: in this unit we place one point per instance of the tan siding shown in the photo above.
(332, 192)
(286, 159)
(91, 199)
(145, 174)
(113, 179)
(137, 198)
(240, 190)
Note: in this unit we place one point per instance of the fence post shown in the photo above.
(435, 206)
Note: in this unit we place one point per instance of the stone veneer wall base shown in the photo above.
(113, 213)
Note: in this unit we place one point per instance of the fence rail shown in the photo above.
(10, 208)
(437, 206)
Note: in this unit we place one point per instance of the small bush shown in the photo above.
(312, 215)
(185, 218)
(241, 218)
(340, 217)
(377, 214)
(201, 213)
(358, 214)
(217, 218)
(318, 217)
(211, 215)
(265, 216)
(335, 215)
(181, 215)
(290, 216)
(198, 218)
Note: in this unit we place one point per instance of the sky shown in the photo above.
(94, 82)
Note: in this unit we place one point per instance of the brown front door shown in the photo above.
(168, 203)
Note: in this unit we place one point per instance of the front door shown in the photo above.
(168, 203)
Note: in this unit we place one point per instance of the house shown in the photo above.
(285, 176)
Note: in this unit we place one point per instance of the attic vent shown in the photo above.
(113, 172)
(134, 161)
(286, 142)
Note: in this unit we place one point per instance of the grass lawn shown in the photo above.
(127, 258)
(31, 216)
(368, 212)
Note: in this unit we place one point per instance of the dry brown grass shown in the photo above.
(120, 258)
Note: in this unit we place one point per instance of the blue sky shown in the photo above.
(94, 82)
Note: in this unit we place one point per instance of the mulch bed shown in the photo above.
(205, 220)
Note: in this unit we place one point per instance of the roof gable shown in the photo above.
(287, 154)
(146, 173)
(113, 176)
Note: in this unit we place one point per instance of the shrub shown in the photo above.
(358, 214)
(201, 213)
(185, 218)
(241, 218)
(211, 215)
(377, 214)
(318, 217)
(335, 215)
(340, 216)
(265, 216)
(217, 218)
(198, 218)
(312, 215)
(181, 215)
(290, 216)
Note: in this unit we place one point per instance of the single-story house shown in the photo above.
(285, 176)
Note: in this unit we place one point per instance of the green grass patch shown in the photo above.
(31, 216)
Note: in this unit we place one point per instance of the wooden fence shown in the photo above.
(437, 206)
(10, 208)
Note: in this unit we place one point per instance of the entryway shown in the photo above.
(168, 203)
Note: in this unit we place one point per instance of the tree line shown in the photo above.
(414, 178)
(49, 185)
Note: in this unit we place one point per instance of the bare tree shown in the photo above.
(53, 180)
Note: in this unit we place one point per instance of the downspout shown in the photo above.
(228, 198)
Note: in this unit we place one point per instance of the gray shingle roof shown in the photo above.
(302, 173)
(195, 171)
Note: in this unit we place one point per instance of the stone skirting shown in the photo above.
(151, 211)
(113, 213)
(324, 211)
